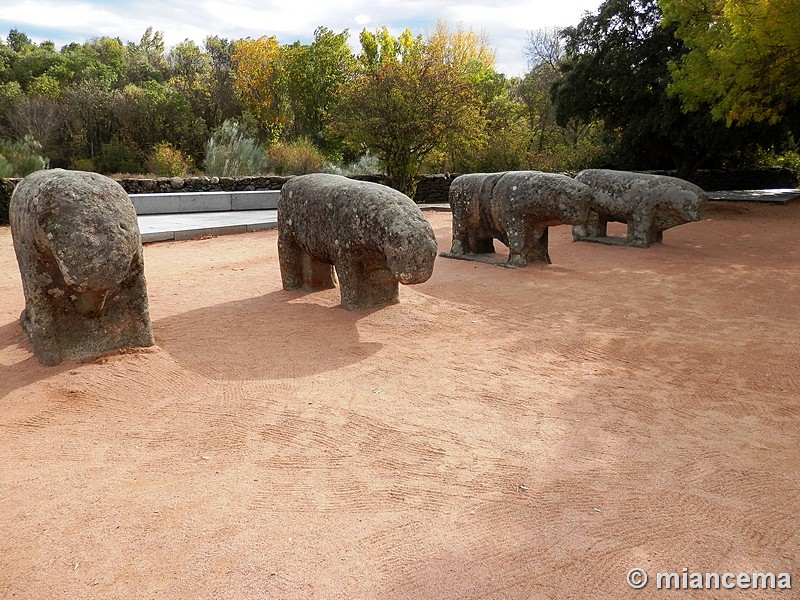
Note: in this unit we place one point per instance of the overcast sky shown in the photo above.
(506, 22)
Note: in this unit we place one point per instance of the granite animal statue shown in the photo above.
(649, 204)
(374, 238)
(515, 207)
(77, 243)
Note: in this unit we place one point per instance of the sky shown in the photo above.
(507, 23)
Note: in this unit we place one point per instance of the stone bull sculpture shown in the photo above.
(80, 257)
(648, 204)
(375, 237)
(517, 208)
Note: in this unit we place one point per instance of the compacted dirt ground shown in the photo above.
(500, 433)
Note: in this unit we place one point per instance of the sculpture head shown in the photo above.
(684, 203)
(91, 233)
(411, 251)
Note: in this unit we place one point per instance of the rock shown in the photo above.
(79, 251)
(649, 204)
(515, 207)
(375, 237)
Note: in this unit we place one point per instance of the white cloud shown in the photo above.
(506, 22)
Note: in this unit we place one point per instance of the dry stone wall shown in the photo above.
(431, 189)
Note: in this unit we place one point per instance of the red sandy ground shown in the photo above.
(500, 433)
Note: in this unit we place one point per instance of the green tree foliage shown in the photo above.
(19, 158)
(231, 151)
(743, 57)
(88, 117)
(550, 146)
(28, 61)
(189, 68)
(220, 82)
(115, 156)
(314, 74)
(153, 113)
(409, 98)
(616, 70)
(38, 117)
(146, 60)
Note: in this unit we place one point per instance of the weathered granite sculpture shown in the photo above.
(374, 236)
(80, 256)
(649, 204)
(515, 207)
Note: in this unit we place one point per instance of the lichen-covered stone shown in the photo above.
(374, 236)
(649, 204)
(80, 257)
(515, 207)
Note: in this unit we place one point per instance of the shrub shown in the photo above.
(368, 164)
(167, 161)
(117, 157)
(295, 158)
(21, 157)
(790, 160)
(231, 152)
(6, 189)
(83, 164)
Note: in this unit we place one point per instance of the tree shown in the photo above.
(409, 98)
(88, 117)
(742, 59)
(224, 104)
(616, 70)
(21, 157)
(29, 61)
(314, 75)
(191, 76)
(146, 59)
(260, 81)
(152, 113)
(39, 118)
(553, 147)
(544, 52)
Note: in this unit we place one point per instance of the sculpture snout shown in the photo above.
(411, 267)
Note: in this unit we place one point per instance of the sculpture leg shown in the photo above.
(363, 285)
(42, 334)
(594, 227)
(316, 274)
(299, 269)
(640, 228)
(460, 235)
(529, 248)
(467, 237)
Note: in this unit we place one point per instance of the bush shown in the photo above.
(368, 164)
(117, 157)
(295, 158)
(6, 189)
(230, 152)
(21, 157)
(790, 160)
(167, 161)
(83, 164)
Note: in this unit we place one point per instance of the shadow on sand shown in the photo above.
(22, 373)
(267, 337)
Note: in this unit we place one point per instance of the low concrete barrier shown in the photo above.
(195, 202)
